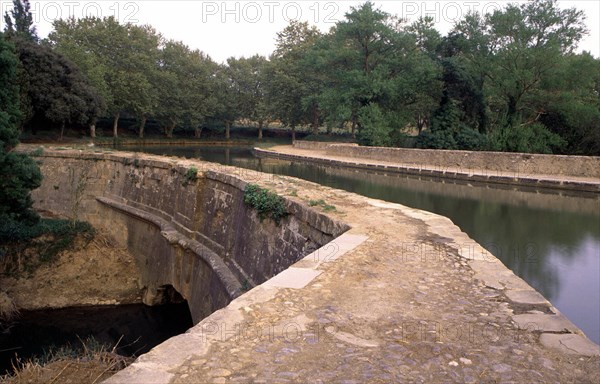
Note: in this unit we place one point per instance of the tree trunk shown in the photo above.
(169, 130)
(62, 131)
(420, 122)
(315, 122)
(353, 126)
(142, 126)
(92, 130)
(511, 113)
(260, 130)
(116, 124)
(293, 133)
(197, 132)
(227, 130)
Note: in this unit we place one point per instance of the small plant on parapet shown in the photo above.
(267, 204)
(190, 176)
(321, 203)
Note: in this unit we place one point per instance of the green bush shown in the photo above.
(533, 138)
(441, 139)
(375, 128)
(190, 176)
(24, 245)
(266, 203)
(471, 140)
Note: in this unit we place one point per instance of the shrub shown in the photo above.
(441, 139)
(533, 138)
(470, 139)
(25, 246)
(266, 203)
(190, 175)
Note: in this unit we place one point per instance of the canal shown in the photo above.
(550, 239)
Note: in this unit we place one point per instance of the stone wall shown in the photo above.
(513, 163)
(194, 233)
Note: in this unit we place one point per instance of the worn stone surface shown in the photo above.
(527, 297)
(404, 303)
(569, 343)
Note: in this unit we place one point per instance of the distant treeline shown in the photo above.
(507, 81)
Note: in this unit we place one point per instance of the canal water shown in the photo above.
(550, 239)
(130, 329)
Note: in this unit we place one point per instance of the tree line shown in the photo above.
(509, 80)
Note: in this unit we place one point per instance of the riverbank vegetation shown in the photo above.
(90, 362)
(26, 240)
(510, 80)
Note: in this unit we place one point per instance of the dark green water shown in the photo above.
(131, 329)
(551, 240)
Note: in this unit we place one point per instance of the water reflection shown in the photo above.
(550, 239)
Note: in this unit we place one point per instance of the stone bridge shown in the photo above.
(393, 294)
(185, 223)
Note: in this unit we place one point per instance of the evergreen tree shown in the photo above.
(19, 174)
(20, 21)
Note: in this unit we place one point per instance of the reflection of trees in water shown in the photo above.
(523, 238)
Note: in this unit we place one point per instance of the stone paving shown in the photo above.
(403, 296)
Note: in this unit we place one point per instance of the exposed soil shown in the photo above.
(98, 273)
(93, 273)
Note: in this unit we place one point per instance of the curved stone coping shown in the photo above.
(156, 366)
(541, 317)
(530, 181)
(174, 237)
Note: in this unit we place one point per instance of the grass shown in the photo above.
(321, 203)
(91, 362)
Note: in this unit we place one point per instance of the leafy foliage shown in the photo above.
(534, 138)
(267, 204)
(495, 77)
(56, 91)
(19, 23)
(24, 246)
(19, 174)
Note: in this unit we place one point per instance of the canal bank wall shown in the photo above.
(535, 170)
(402, 295)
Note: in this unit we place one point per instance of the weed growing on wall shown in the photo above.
(190, 176)
(266, 203)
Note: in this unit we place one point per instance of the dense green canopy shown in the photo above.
(509, 80)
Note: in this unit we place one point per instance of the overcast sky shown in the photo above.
(246, 27)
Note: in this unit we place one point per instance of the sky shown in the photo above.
(225, 28)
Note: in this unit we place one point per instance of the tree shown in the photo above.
(56, 90)
(185, 80)
(289, 81)
(515, 48)
(377, 77)
(19, 174)
(121, 60)
(20, 22)
(247, 77)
